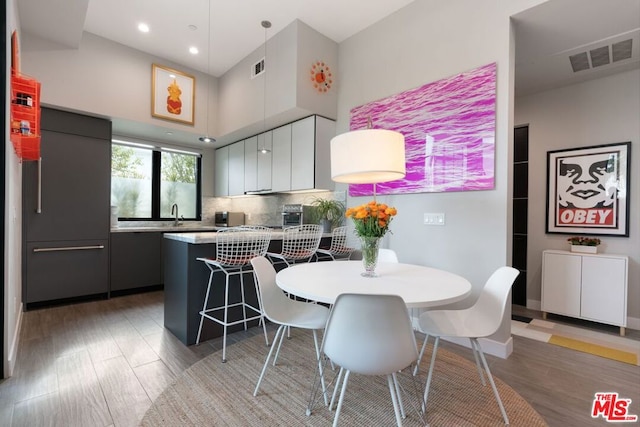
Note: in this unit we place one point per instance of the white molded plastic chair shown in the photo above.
(235, 247)
(370, 335)
(387, 255)
(287, 313)
(480, 320)
(299, 243)
(338, 249)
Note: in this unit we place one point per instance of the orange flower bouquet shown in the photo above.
(372, 222)
(371, 219)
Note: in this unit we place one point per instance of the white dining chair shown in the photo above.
(387, 255)
(287, 313)
(370, 335)
(480, 320)
(235, 247)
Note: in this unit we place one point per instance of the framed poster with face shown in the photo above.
(587, 190)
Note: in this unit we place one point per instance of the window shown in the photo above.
(147, 181)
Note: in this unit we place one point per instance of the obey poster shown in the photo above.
(587, 190)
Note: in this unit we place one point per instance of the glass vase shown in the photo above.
(370, 246)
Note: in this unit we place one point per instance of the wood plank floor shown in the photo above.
(102, 363)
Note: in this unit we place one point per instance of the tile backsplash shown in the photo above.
(262, 210)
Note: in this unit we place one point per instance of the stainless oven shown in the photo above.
(295, 214)
(229, 219)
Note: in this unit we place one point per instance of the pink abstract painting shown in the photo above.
(449, 131)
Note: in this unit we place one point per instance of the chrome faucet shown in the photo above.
(174, 211)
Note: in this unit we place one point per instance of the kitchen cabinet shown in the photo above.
(257, 164)
(310, 153)
(136, 260)
(281, 159)
(586, 286)
(66, 209)
(236, 169)
(221, 172)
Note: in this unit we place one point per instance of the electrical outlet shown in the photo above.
(434, 219)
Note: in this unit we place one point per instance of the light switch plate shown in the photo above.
(434, 219)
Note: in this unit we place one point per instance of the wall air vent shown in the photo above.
(621, 50)
(257, 68)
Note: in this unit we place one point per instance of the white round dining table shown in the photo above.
(419, 286)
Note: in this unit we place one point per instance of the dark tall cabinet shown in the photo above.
(66, 209)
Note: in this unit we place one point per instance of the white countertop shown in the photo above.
(210, 237)
(164, 228)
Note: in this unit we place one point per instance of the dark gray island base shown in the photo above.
(185, 285)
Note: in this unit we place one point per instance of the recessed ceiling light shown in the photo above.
(143, 28)
(193, 50)
(207, 139)
(169, 133)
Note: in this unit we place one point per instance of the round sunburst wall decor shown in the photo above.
(321, 76)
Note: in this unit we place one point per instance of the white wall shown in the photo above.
(597, 112)
(13, 224)
(421, 43)
(108, 79)
(289, 94)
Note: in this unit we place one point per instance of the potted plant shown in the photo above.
(584, 244)
(329, 213)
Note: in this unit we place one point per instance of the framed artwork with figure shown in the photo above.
(172, 95)
(587, 190)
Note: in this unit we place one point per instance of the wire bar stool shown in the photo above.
(235, 248)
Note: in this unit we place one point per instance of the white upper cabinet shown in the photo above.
(221, 172)
(265, 141)
(257, 163)
(251, 164)
(296, 158)
(281, 159)
(236, 169)
(310, 153)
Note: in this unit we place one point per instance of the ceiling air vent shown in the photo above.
(621, 50)
(257, 68)
(599, 56)
(579, 62)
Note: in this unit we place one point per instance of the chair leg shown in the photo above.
(226, 319)
(275, 359)
(244, 306)
(320, 369)
(398, 395)
(335, 388)
(204, 306)
(392, 390)
(279, 332)
(493, 384)
(433, 362)
(424, 346)
(475, 355)
(344, 388)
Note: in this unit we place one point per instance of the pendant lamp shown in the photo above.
(266, 25)
(207, 138)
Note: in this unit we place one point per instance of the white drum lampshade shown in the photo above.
(367, 156)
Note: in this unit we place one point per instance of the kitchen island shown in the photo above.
(186, 278)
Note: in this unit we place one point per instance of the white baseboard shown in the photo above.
(12, 354)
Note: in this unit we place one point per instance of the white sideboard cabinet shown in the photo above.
(586, 286)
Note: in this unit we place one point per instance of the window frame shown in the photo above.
(156, 177)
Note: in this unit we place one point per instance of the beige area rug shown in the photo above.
(211, 393)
